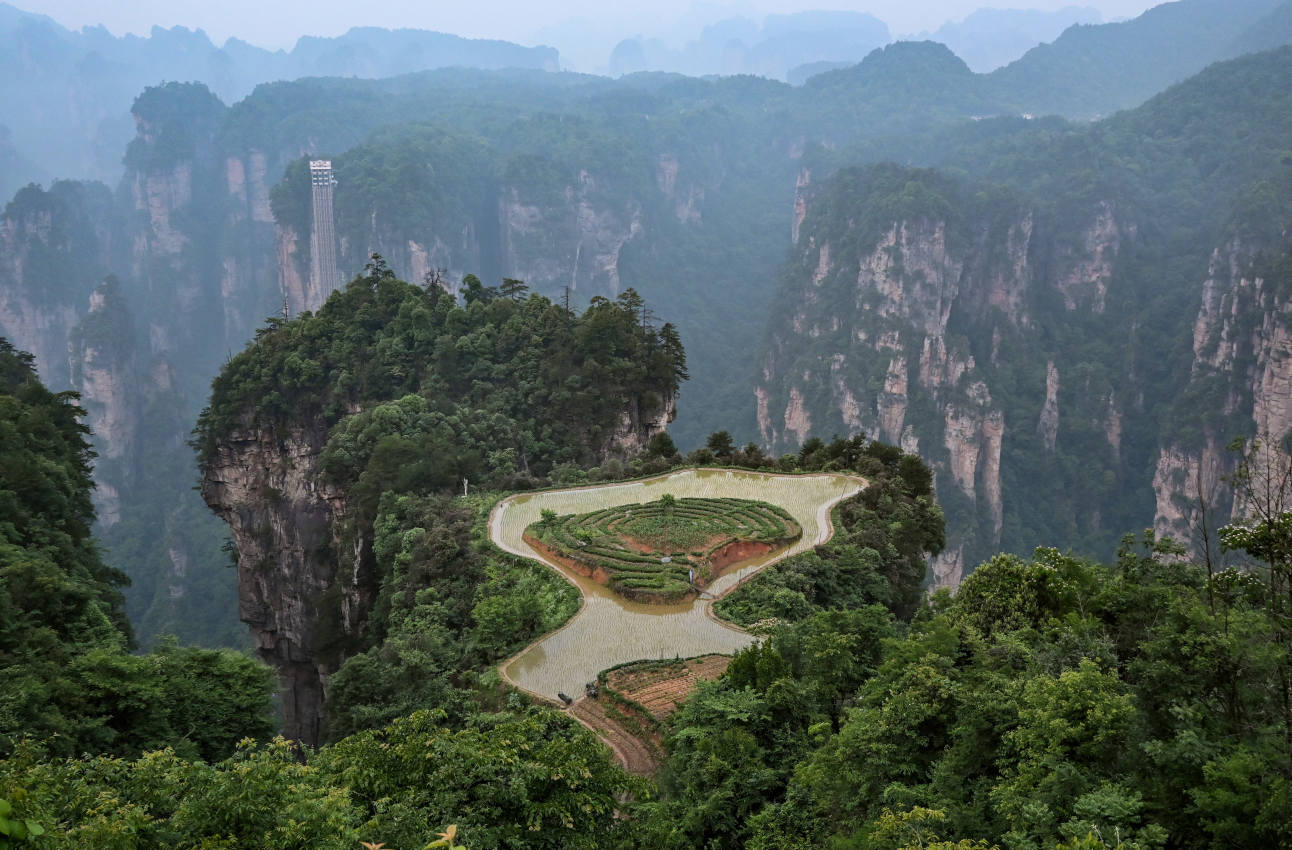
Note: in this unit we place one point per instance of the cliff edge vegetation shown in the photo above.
(331, 446)
(70, 682)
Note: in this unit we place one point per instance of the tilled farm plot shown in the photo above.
(664, 686)
(610, 630)
(663, 551)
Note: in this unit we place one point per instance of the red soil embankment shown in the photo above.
(739, 550)
(637, 738)
(597, 574)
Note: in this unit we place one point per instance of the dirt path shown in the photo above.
(635, 739)
(642, 757)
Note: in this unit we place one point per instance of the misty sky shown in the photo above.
(278, 23)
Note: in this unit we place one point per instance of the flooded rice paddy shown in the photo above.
(609, 629)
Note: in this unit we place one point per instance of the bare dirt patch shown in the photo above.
(633, 739)
(737, 551)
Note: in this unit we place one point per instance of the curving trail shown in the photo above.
(609, 630)
(632, 752)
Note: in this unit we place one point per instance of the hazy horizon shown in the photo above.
(280, 25)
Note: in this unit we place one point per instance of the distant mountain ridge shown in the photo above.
(1123, 64)
(990, 38)
(774, 48)
(65, 95)
(1089, 71)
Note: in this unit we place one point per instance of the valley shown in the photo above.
(414, 443)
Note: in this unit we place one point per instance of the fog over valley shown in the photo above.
(279, 25)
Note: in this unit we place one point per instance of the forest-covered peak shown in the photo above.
(174, 120)
(900, 63)
(543, 383)
(1093, 70)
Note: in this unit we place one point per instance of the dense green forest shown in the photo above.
(1109, 295)
(505, 384)
(1052, 703)
(407, 395)
(680, 188)
(424, 734)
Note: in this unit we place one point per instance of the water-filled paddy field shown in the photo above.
(609, 629)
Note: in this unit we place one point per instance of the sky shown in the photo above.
(278, 23)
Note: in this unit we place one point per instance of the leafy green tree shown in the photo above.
(661, 445)
(69, 681)
(721, 444)
(532, 780)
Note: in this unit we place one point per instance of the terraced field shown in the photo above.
(660, 687)
(666, 550)
(610, 630)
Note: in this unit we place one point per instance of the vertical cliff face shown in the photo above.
(1240, 384)
(306, 575)
(299, 585)
(875, 318)
(248, 283)
(573, 239)
(55, 248)
(636, 427)
(133, 300)
(913, 316)
(101, 352)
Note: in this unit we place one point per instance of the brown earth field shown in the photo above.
(660, 687)
(657, 687)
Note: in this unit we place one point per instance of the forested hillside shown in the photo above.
(1052, 703)
(71, 685)
(1071, 326)
(1122, 64)
(997, 332)
(329, 447)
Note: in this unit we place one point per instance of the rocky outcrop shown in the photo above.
(306, 574)
(1187, 483)
(890, 353)
(1048, 426)
(801, 185)
(1087, 267)
(1242, 370)
(101, 351)
(298, 580)
(982, 333)
(637, 427)
(686, 198)
(158, 196)
(55, 248)
(294, 283)
(908, 331)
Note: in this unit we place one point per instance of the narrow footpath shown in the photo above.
(609, 630)
(635, 755)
